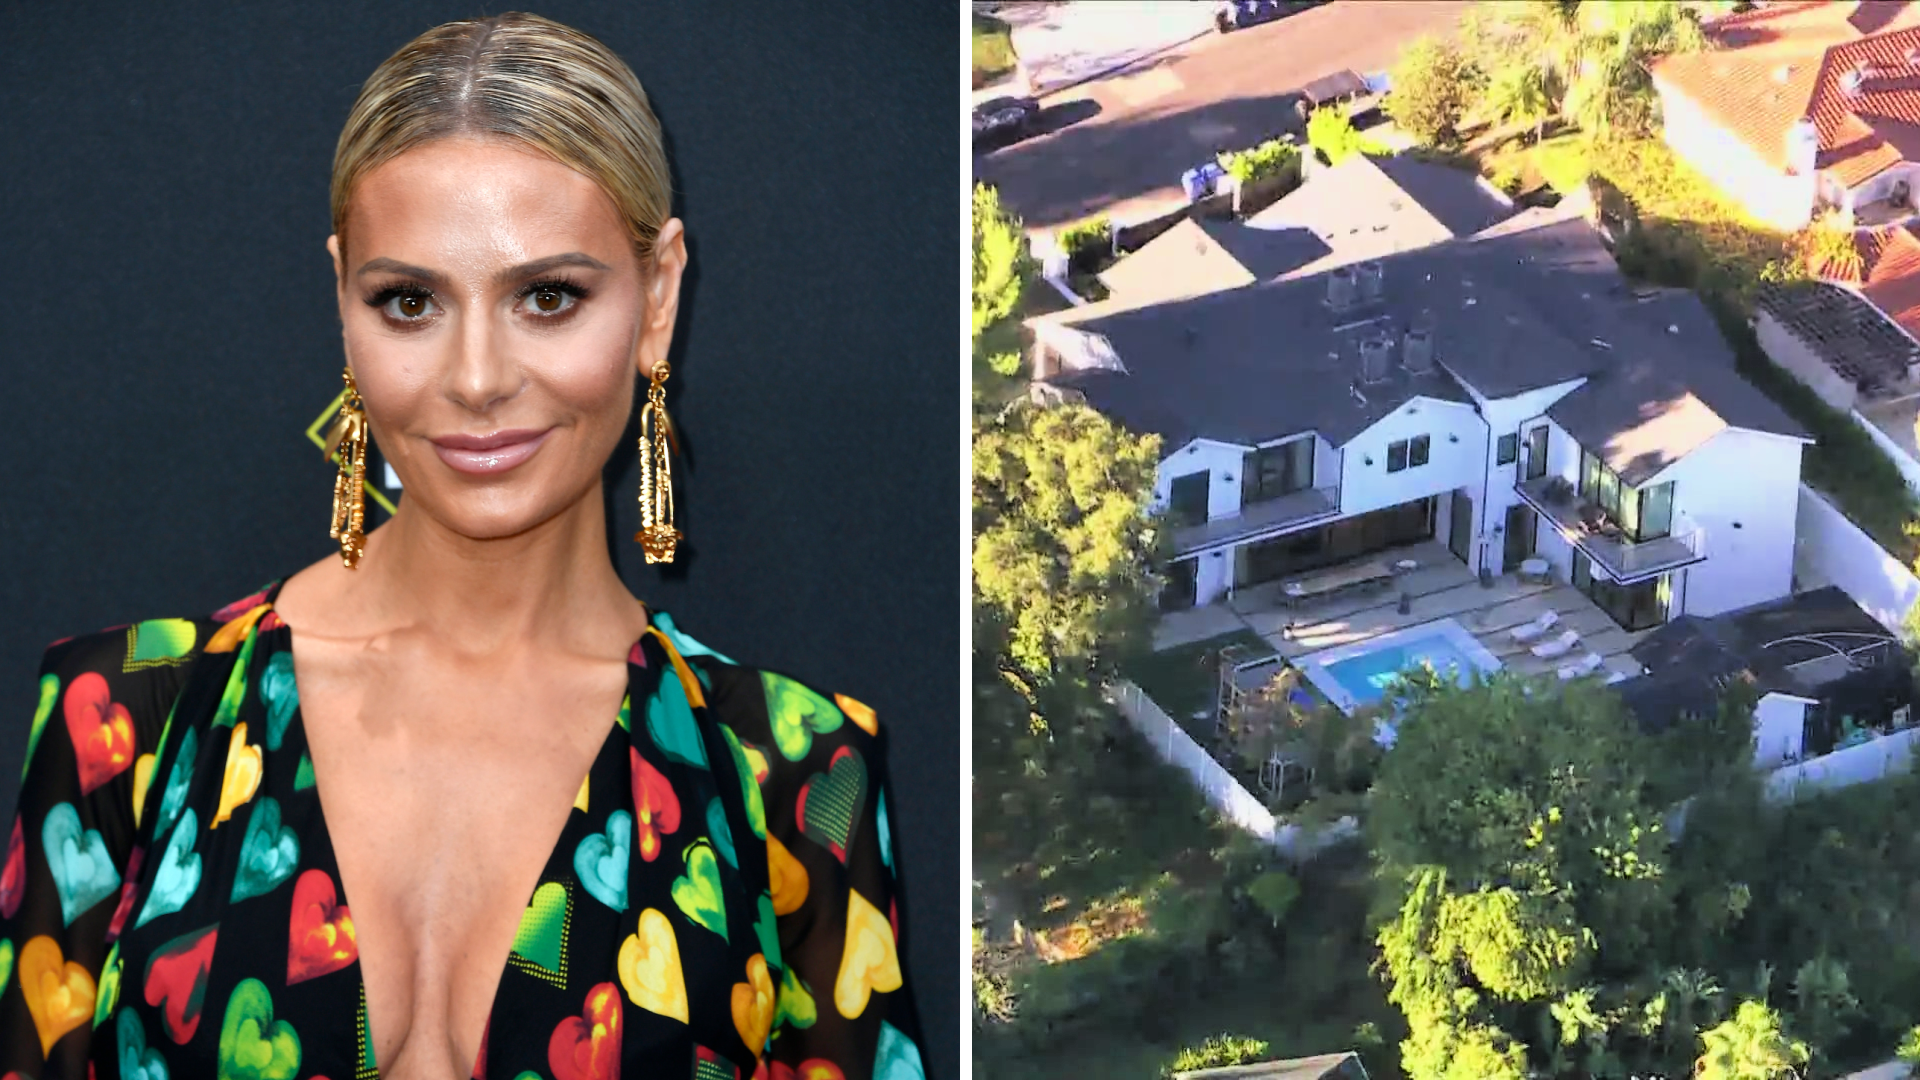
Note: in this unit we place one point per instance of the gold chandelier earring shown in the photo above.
(657, 536)
(348, 439)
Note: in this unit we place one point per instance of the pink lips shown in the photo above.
(480, 455)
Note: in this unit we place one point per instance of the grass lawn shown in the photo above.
(1183, 680)
(992, 50)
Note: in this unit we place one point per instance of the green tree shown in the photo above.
(1590, 56)
(1909, 1051)
(1824, 1005)
(1433, 86)
(1330, 130)
(1522, 94)
(1750, 1046)
(1692, 1000)
(1064, 542)
(1003, 268)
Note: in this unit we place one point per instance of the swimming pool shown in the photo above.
(1355, 675)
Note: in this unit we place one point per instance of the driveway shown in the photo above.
(1119, 144)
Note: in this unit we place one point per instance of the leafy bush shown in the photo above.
(1434, 85)
(1330, 130)
(1275, 893)
(1087, 241)
(1218, 1051)
(1273, 158)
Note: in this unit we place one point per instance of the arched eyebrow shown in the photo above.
(512, 273)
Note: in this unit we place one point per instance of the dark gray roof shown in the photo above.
(1512, 312)
(1690, 658)
(1198, 256)
(1344, 1066)
(1457, 198)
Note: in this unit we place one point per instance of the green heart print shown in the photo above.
(107, 994)
(49, 693)
(269, 853)
(797, 714)
(542, 936)
(253, 1045)
(697, 892)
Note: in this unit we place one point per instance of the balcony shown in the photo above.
(1625, 561)
(1257, 521)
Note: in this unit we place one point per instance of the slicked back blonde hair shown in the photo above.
(523, 78)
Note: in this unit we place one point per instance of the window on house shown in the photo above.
(1396, 456)
(1507, 449)
(1537, 452)
(1188, 502)
(1419, 449)
(1273, 471)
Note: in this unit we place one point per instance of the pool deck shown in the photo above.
(1441, 587)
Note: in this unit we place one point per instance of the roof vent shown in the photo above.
(1373, 275)
(1782, 73)
(1853, 79)
(1376, 355)
(1417, 350)
(1343, 290)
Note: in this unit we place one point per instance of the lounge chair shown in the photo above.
(1559, 646)
(1528, 631)
(1584, 666)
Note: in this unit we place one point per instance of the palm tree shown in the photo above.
(1751, 1046)
(1591, 55)
(1521, 94)
(1692, 1002)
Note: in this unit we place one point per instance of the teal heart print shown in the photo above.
(78, 859)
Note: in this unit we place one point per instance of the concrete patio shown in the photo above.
(1441, 587)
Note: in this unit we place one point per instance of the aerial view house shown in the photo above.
(1509, 396)
(1801, 106)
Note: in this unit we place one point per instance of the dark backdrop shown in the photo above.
(169, 334)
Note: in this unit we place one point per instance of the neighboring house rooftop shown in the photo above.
(1793, 645)
(1362, 208)
(1890, 264)
(1849, 67)
(1322, 1067)
(1849, 334)
(1510, 313)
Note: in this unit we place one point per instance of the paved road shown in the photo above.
(1127, 138)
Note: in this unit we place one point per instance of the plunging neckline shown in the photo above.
(297, 723)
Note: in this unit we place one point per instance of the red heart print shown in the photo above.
(240, 607)
(320, 935)
(101, 729)
(709, 1065)
(176, 980)
(125, 909)
(636, 657)
(13, 878)
(587, 1047)
(656, 809)
(271, 621)
(480, 1059)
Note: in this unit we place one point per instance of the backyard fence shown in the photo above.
(1848, 557)
(1222, 792)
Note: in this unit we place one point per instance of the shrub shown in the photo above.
(1433, 86)
(1087, 242)
(1218, 1051)
(1330, 130)
(1273, 158)
(1274, 892)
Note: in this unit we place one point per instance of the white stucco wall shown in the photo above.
(1458, 445)
(1218, 459)
(1769, 194)
(1839, 551)
(1779, 727)
(1509, 416)
(1751, 479)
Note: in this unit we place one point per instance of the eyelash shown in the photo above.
(564, 286)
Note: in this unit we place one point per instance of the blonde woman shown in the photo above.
(454, 803)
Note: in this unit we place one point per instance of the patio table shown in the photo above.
(1336, 581)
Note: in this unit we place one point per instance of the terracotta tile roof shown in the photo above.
(1773, 65)
(1892, 260)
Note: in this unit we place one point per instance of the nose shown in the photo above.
(481, 373)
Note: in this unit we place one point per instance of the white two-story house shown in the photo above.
(1507, 394)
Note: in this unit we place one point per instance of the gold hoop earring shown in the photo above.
(348, 439)
(657, 536)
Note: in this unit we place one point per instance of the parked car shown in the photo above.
(1003, 120)
(1230, 15)
(1358, 94)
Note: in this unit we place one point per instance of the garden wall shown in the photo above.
(1861, 764)
(1216, 784)
(1848, 557)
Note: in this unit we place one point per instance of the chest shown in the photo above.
(400, 878)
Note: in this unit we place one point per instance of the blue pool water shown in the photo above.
(1355, 675)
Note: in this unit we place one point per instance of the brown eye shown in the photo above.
(413, 306)
(548, 300)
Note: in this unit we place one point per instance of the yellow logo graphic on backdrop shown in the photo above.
(314, 435)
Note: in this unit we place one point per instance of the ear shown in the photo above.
(339, 269)
(663, 295)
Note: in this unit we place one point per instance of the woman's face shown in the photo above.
(494, 312)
